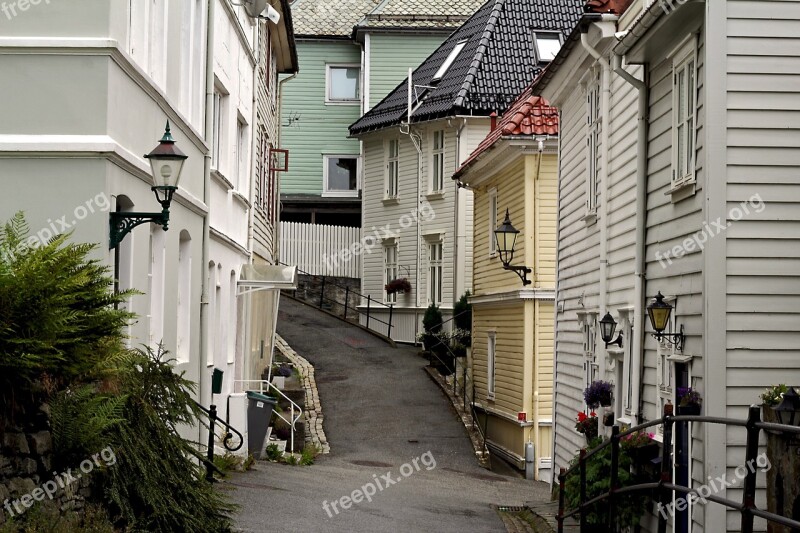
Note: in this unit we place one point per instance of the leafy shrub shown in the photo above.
(274, 453)
(462, 311)
(58, 322)
(42, 519)
(432, 320)
(774, 395)
(629, 507)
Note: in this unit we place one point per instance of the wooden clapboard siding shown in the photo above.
(543, 357)
(320, 128)
(509, 354)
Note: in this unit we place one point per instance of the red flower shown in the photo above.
(581, 416)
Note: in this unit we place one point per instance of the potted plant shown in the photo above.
(398, 285)
(598, 393)
(640, 447)
(770, 399)
(689, 401)
(586, 424)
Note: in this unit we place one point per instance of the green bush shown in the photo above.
(58, 323)
(629, 506)
(462, 311)
(432, 321)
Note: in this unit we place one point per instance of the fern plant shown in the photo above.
(59, 324)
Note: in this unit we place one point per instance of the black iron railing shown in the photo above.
(213, 420)
(372, 305)
(665, 488)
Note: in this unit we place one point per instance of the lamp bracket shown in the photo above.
(122, 222)
(676, 339)
(521, 271)
(617, 341)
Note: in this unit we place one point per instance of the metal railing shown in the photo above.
(292, 422)
(664, 487)
(213, 419)
(323, 298)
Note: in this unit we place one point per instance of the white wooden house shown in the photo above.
(678, 174)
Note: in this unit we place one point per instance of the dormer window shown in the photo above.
(546, 45)
(449, 61)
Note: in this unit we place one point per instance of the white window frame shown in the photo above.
(437, 161)
(492, 222)
(218, 127)
(329, 85)
(665, 365)
(491, 364)
(392, 174)
(684, 77)
(435, 272)
(326, 191)
(594, 122)
(390, 251)
(536, 51)
(239, 175)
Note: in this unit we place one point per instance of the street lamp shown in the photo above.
(166, 163)
(789, 409)
(659, 312)
(506, 237)
(607, 327)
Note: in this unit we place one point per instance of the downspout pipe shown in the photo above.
(277, 198)
(637, 359)
(605, 106)
(209, 134)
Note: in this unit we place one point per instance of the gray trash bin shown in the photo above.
(259, 413)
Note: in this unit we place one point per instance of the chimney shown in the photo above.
(493, 123)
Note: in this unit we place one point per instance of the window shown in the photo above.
(683, 121)
(184, 318)
(156, 287)
(219, 115)
(592, 144)
(435, 274)
(231, 340)
(492, 221)
(490, 364)
(392, 168)
(390, 268)
(665, 367)
(451, 57)
(437, 161)
(343, 83)
(546, 45)
(239, 177)
(587, 322)
(212, 304)
(341, 175)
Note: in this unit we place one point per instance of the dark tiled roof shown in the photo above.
(329, 18)
(438, 15)
(529, 115)
(495, 65)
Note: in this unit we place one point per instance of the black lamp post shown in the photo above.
(166, 163)
(659, 312)
(789, 409)
(607, 327)
(506, 237)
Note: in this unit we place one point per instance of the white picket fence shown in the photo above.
(317, 249)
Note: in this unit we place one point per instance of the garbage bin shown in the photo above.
(259, 413)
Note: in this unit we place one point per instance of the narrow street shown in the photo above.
(382, 412)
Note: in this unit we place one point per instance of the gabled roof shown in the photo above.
(494, 66)
(329, 18)
(529, 116)
(438, 15)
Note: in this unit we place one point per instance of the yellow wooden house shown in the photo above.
(513, 174)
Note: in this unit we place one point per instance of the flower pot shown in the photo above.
(689, 410)
(605, 401)
(643, 455)
(608, 419)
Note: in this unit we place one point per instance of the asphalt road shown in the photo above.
(392, 434)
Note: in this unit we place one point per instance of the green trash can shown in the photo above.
(259, 413)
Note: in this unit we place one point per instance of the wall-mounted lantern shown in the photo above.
(506, 237)
(607, 327)
(659, 312)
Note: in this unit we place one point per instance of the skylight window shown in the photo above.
(449, 61)
(546, 45)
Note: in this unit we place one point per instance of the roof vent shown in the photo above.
(493, 123)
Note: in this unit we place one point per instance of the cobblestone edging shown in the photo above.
(315, 434)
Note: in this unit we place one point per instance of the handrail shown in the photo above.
(304, 273)
(213, 419)
(664, 486)
(293, 406)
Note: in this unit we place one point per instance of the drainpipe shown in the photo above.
(605, 105)
(277, 200)
(459, 246)
(641, 221)
(209, 134)
(416, 140)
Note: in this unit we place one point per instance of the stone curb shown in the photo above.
(313, 412)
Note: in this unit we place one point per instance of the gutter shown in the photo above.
(605, 105)
(641, 221)
(209, 134)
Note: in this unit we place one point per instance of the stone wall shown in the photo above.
(26, 463)
(336, 289)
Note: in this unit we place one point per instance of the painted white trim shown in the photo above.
(367, 73)
(512, 296)
(360, 89)
(222, 238)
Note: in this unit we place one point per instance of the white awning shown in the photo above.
(267, 277)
